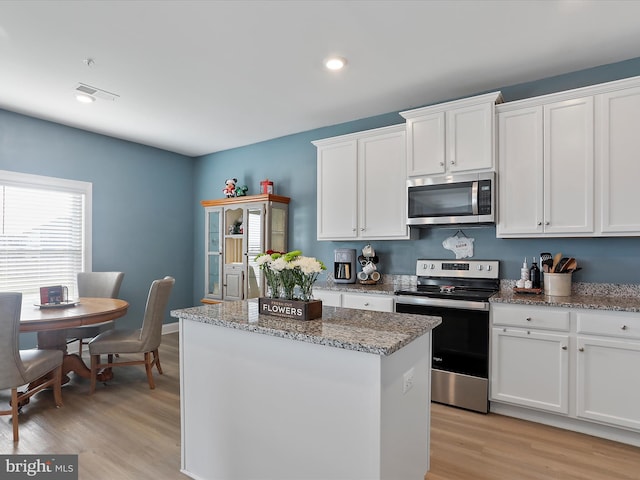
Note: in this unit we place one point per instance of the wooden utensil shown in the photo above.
(557, 257)
(560, 267)
(570, 265)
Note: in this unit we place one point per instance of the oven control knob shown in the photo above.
(488, 268)
(433, 265)
(479, 267)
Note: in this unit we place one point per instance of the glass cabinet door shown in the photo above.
(278, 229)
(255, 246)
(213, 266)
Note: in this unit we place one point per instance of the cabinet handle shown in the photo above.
(452, 162)
(504, 329)
(353, 229)
(528, 319)
(623, 327)
(366, 304)
(564, 347)
(547, 223)
(362, 229)
(442, 164)
(528, 332)
(581, 349)
(539, 223)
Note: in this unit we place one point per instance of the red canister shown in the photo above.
(266, 186)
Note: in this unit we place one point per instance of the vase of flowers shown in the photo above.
(285, 274)
(267, 263)
(307, 270)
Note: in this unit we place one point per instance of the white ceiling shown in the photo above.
(196, 77)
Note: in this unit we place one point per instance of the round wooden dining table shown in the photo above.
(52, 322)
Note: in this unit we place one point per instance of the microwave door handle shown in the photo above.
(474, 198)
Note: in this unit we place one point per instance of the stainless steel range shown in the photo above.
(458, 291)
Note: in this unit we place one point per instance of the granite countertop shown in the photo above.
(594, 296)
(378, 288)
(620, 298)
(380, 333)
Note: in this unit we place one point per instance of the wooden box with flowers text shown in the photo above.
(296, 309)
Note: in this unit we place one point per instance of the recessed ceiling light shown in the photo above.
(84, 98)
(335, 63)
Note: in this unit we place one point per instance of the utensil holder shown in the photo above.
(557, 284)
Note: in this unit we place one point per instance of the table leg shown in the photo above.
(57, 340)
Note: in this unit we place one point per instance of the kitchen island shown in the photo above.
(345, 396)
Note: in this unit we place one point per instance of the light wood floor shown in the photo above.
(128, 432)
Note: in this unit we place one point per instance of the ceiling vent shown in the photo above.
(95, 92)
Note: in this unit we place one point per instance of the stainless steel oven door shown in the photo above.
(460, 364)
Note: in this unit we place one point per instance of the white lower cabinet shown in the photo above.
(362, 301)
(328, 297)
(530, 357)
(530, 368)
(608, 368)
(581, 364)
(380, 303)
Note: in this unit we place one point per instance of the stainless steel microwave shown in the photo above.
(451, 199)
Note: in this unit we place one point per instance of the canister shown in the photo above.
(557, 284)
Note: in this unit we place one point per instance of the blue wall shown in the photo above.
(142, 202)
(291, 163)
(148, 222)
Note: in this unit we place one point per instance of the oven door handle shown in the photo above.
(442, 302)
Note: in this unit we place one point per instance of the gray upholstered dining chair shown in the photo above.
(22, 367)
(95, 284)
(145, 340)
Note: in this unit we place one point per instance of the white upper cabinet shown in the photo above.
(618, 119)
(520, 172)
(568, 167)
(362, 186)
(337, 185)
(451, 137)
(545, 168)
(566, 163)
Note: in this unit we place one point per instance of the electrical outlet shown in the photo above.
(407, 380)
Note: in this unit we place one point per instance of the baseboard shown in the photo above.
(560, 421)
(170, 328)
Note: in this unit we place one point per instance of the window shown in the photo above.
(45, 232)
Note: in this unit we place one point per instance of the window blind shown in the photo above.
(43, 233)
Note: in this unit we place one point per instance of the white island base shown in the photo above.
(256, 406)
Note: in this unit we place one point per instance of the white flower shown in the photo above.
(263, 259)
(279, 264)
(308, 265)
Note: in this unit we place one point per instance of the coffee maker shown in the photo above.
(344, 266)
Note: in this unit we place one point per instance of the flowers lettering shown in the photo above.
(286, 271)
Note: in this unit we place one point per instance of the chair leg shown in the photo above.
(57, 386)
(156, 360)
(80, 342)
(14, 413)
(95, 360)
(148, 365)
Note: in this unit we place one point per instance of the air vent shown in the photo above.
(96, 92)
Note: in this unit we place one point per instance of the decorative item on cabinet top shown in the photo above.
(232, 189)
(266, 186)
(245, 199)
